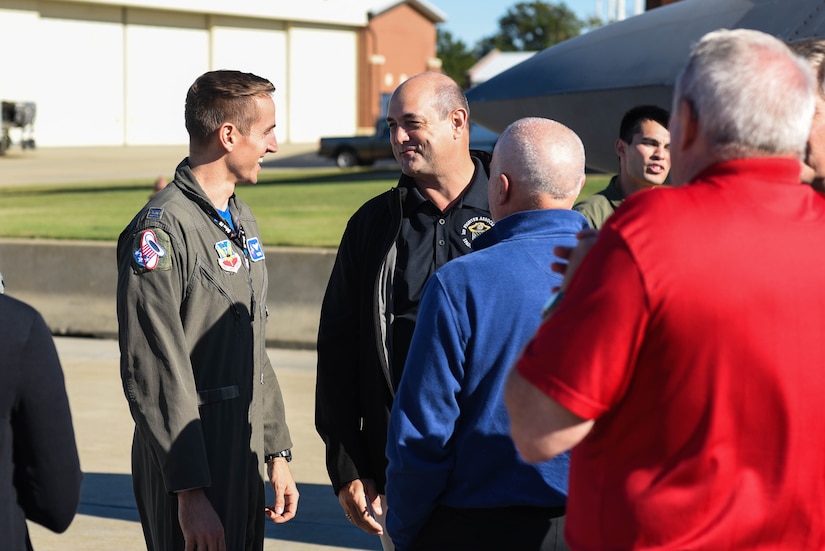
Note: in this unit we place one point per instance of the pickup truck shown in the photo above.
(350, 151)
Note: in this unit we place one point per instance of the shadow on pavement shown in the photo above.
(319, 520)
(108, 495)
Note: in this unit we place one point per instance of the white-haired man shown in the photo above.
(696, 412)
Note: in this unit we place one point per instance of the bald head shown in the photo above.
(537, 164)
(442, 92)
(429, 121)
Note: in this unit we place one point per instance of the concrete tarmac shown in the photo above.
(62, 165)
(107, 518)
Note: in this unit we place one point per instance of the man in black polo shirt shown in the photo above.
(391, 245)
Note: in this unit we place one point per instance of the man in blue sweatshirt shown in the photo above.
(455, 480)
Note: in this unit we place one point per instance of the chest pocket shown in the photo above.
(215, 282)
(217, 325)
(213, 297)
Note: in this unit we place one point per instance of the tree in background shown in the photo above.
(456, 58)
(533, 26)
(526, 26)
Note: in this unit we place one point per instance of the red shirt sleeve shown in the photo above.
(583, 355)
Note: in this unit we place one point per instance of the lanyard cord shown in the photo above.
(238, 237)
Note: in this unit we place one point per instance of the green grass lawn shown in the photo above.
(306, 208)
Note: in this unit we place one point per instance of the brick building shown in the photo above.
(399, 41)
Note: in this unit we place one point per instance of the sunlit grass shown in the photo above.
(306, 207)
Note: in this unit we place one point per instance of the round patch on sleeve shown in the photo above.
(150, 251)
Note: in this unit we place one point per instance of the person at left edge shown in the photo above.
(191, 302)
(40, 474)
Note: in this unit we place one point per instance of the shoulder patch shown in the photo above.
(150, 251)
(155, 213)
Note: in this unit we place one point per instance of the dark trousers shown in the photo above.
(502, 528)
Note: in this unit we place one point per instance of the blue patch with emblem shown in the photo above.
(256, 250)
(154, 212)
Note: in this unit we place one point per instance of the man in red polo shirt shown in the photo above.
(685, 362)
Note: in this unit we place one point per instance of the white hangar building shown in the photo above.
(116, 72)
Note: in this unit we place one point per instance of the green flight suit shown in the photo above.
(206, 402)
(598, 207)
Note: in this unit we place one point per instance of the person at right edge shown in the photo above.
(695, 415)
(390, 247)
(813, 169)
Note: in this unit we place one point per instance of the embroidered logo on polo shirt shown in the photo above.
(474, 227)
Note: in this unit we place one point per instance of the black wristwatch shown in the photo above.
(286, 454)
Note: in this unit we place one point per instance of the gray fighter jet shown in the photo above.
(588, 82)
